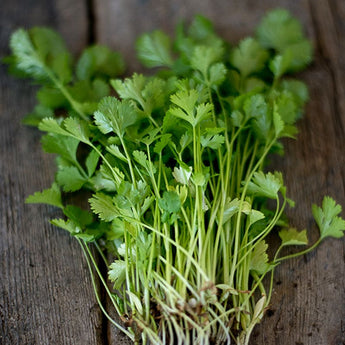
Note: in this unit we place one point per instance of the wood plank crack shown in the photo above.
(327, 58)
(91, 22)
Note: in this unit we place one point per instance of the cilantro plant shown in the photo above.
(175, 168)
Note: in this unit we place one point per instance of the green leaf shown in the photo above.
(137, 303)
(115, 151)
(203, 112)
(50, 196)
(182, 175)
(37, 115)
(186, 100)
(327, 219)
(144, 245)
(217, 73)
(154, 49)
(200, 32)
(88, 93)
(70, 179)
(204, 56)
(79, 216)
(292, 237)
(297, 89)
(254, 84)
(113, 176)
(264, 185)
(80, 224)
(256, 108)
(130, 88)
(227, 290)
(128, 193)
(282, 32)
(170, 202)
(117, 229)
(141, 158)
(278, 30)
(179, 113)
(146, 204)
(78, 128)
(51, 97)
(103, 182)
(103, 206)
(232, 207)
(49, 124)
(150, 135)
(99, 61)
(154, 95)
(50, 47)
(185, 140)
(188, 110)
(164, 141)
(26, 58)
(259, 309)
(277, 121)
(86, 237)
(285, 105)
(199, 179)
(62, 145)
(279, 65)
(255, 216)
(91, 162)
(201, 29)
(61, 65)
(214, 142)
(249, 57)
(67, 225)
(103, 122)
(259, 258)
(41, 54)
(301, 55)
(117, 273)
(188, 84)
(114, 116)
(237, 118)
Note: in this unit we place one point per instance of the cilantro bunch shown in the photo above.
(174, 169)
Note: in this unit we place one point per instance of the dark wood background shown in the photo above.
(46, 295)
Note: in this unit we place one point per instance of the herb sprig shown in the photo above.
(175, 164)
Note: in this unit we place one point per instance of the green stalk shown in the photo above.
(238, 222)
(122, 329)
(303, 252)
(75, 105)
(129, 161)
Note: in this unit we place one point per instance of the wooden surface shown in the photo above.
(45, 291)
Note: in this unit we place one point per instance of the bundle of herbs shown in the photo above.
(173, 165)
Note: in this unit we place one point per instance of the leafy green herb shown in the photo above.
(292, 237)
(327, 219)
(175, 164)
(51, 196)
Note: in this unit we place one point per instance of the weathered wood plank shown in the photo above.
(45, 292)
(309, 294)
(119, 23)
(46, 296)
(307, 307)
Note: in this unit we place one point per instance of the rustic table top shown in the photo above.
(46, 296)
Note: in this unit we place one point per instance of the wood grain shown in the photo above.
(46, 296)
(308, 304)
(45, 290)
